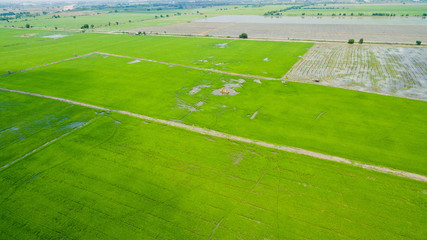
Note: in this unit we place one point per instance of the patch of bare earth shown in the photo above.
(399, 71)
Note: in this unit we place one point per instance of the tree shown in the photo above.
(351, 41)
(418, 42)
(361, 41)
(74, 17)
(243, 35)
(86, 26)
(27, 25)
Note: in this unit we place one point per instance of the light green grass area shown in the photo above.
(106, 21)
(237, 56)
(365, 9)
(69, 22)
(26, 124)
(249, 9)
(370, 128)
(121, 178)
(153, 22)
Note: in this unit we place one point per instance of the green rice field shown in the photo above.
(75, 171)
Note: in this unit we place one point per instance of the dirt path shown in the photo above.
(47, 64)
(237, 138)
(46, 144)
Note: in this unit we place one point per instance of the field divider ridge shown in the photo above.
(47, 64)
(186, 66)
(282, 79)
(47, 143)
(217, 134)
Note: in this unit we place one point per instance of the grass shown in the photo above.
(121, 178)
(370, 128)
(69, 22)
(26, 125)
(23, 52)
(138, 18)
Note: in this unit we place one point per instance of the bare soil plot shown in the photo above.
(400, 71)
(320, 32)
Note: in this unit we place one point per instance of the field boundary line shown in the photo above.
(186, 66)
(283, 79)
(259, 77)
(48, 143)
(217, 134)
(297, 63)
(47, 64)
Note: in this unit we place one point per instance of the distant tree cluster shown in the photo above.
(384, 14)
(243, 35)
(351, 41)
(279, 12)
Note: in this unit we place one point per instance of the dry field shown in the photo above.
(400, 71)
(320, 32)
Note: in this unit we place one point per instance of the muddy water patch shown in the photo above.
(197, 89)
(28, 35)
(229, 88)
(237, 157)
(199, 104)
(134, 61)
(12, 129)
(102, 113)
(257, 81)
(55, 36)
(73, 125)
(222, 45)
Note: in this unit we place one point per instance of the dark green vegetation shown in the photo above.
(243, 35)
(119, 177)
(27, 123)
(339, 122)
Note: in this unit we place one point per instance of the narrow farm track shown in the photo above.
(47, 64)
(230, 137)
(46, 144)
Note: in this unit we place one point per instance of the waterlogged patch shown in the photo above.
(199, 104)
(222, 45)
(55, 36)
(197, 89)
(135, 61)
(188, 107)
(257, 81)
(102, 113)
(73, 125)
(229, 88)
(12, 129)
(28, 35)
(266, 59)
(238, 157)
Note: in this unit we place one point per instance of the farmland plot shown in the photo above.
(400, 71)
